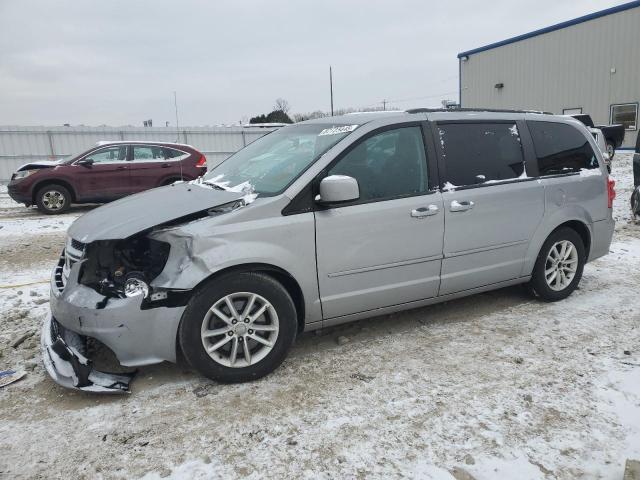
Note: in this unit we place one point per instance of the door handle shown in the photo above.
(165, 165)
(463, 206)
(424, 211)
(121, 168)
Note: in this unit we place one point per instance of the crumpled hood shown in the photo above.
(133, 214)
(38, 165)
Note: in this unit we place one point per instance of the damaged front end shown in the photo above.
(67, 366)
(102, 290)
(110, 284)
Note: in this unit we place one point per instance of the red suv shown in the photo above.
(108, 171)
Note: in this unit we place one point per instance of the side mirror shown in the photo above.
(85, 162)
(338, 189)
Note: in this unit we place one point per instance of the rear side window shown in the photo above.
(475, 153)
(148, 154)
(171, 153)
(561, 148)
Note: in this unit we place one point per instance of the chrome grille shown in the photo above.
(77, 244)
(58, 277)
(73, 252)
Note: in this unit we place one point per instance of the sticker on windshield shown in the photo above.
(338, 130)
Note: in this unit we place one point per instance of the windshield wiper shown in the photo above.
(217, 186)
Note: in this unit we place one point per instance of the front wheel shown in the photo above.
(559, 266)
(239, 327)
(53, 199)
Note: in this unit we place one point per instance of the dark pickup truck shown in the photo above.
(613, 134)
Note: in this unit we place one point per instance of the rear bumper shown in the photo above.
(71, 369)
(601, 238)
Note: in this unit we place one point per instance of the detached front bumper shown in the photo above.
(137, 336)
(70, 368)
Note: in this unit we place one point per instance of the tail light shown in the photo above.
(611, 191)
(202, 162)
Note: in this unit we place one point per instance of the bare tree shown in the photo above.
(282, 105)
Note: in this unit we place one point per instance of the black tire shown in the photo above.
(48, 192)
(611, 150)
(538, 285)
(635, 203)
(189, 334)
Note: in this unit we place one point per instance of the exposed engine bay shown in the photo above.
(123, 268)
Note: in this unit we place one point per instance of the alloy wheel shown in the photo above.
(240, 329)
(53, 200)
(561, 265)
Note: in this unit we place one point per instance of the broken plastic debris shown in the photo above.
(7, 377)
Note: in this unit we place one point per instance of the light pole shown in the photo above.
(331, 88)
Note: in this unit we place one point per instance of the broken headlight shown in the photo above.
(123, 268)
(135, 285)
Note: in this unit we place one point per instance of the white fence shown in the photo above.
(20, 145)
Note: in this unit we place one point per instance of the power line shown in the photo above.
(386, 102)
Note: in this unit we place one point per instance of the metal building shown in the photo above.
(587, 65)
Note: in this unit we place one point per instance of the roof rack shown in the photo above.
(490, 110)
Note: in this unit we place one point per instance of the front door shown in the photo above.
(107, 177)
(385, 248)
(492, 207)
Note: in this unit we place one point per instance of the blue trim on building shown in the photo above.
(552, 28)
(460, 83)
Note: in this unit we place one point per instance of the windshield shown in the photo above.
(272, 162)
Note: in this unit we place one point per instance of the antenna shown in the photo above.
(331, 88)
(175, 103)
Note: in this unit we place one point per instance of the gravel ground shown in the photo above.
(493, 386)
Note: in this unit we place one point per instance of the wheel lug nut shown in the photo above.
(240, 338)
(230, 334)
(246, 320)
(250, 332)
(234, 321)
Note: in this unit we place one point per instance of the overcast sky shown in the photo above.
(118, 62)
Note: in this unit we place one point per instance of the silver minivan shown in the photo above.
(325, 222)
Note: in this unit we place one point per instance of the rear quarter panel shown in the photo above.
(578, 197)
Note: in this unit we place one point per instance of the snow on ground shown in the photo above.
(495, 386)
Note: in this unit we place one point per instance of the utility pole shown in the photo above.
(331, 88)
(175, 103)
(384, 104)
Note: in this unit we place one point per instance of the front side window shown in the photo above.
(475, 153)
(626, 114)
(268, 165)
(561, 148)
(148, 154)
(109, 155)
(388, 165)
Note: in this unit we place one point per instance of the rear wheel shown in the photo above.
(53, 199)
(238, 328)
(559, 266)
